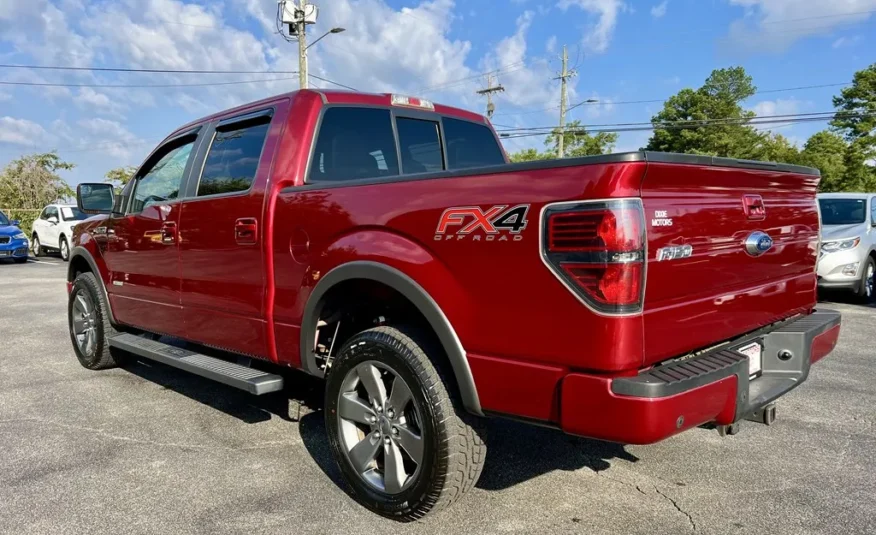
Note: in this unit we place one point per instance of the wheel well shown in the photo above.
(353, 305)
(78, 265)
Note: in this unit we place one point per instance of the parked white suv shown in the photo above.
(54, 229)
(848, 242)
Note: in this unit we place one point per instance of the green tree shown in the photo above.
(578, 142)
(826, 151)
(120, 176)
(856, 121)
(776, 148)
(32, 181)
(529, 155)
(719, 99)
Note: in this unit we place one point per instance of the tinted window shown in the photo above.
(354, 143)
(71, 213)
(233, 159)
(3, 220)
(842, 211)
(470, 145)
(45, 214)
(51, 211)
(420, 144)
(873, 211)
(162, 181)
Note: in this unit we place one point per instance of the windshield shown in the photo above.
(72, 214)
(3, 220)
(842, 211)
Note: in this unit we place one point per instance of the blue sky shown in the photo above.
(622, 51)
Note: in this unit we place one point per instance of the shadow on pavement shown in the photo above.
(517, 452)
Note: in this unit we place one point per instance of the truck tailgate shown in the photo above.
(703, 284)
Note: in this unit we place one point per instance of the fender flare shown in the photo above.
(417, 295)
(80, 251)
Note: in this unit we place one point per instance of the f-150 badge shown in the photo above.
(497, 223)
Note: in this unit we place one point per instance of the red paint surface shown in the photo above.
(823, 344)
(589, 408)
(523, 330)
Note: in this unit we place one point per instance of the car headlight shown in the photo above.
(20, 236)
(840, 245)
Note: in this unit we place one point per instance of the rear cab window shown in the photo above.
(234, 154)
(355, 143)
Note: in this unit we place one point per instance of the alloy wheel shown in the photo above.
(65, 250)
(869, 281)
(379, 427)
(84, 323)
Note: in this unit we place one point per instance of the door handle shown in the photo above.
(168, 232)
(246, 231)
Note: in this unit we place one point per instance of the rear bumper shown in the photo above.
(713, 387)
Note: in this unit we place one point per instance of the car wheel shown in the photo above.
(403, 444)
(865, 288)
(89, 324)
(21, 260)
(37, 247)
(65, 249)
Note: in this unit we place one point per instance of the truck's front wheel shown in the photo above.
(89, 323)
(401, 442)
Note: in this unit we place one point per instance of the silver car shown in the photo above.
(848, 242)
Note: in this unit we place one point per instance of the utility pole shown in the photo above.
(488, 92)
(565, 75)
(301, 30)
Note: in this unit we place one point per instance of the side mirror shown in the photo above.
(53, 220)
(96, 198)
(15, 223)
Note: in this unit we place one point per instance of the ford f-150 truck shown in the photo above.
(385, 243)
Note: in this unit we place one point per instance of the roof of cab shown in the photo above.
(337, 97)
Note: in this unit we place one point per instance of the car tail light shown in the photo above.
(597, 250)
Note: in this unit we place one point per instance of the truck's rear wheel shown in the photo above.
(88, 320)
(402, 444)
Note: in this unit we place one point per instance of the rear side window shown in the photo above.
(233, 159)
(420, 144)
(470, 145)
(354, 143)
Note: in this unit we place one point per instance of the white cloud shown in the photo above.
(114, 139)
(778, 107)
(551, 45)
(659, 10)
(96, 102)
(5, 96)
(21, 131)
(598, 35)
(776, 24)
(846, 41)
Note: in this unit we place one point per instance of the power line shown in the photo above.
(500, 70)
(332, 82)
(142, 86)
(120, 69)
(660, 100)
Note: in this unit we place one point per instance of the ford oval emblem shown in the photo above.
(757, 243)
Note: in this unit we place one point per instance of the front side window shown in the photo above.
(843, 211)
(51, 211)
(420, 144)
(233, 159)
(354, 143)
(873, 211)
(470, 145)
(163, 180)
(4, 220)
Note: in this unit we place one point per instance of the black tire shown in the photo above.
(453, 447)
(865, 290)
(37, 246)
(98, 357)
(21, 260)
(64, 249)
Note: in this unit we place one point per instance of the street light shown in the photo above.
(333, 30)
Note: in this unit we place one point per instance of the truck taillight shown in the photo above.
(597, 250)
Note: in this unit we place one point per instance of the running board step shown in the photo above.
(252, 380)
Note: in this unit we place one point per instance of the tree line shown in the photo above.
(711, 121)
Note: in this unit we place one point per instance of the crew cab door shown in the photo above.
(142, 252)
(221, 250)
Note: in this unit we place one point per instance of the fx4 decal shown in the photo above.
(496, 222)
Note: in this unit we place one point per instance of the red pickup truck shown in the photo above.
(385, 244)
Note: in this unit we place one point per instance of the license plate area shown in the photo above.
(754, 352)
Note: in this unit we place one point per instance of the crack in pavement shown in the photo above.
(103, 434)
(690, 519)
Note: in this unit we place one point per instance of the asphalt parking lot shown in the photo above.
(147, 449)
